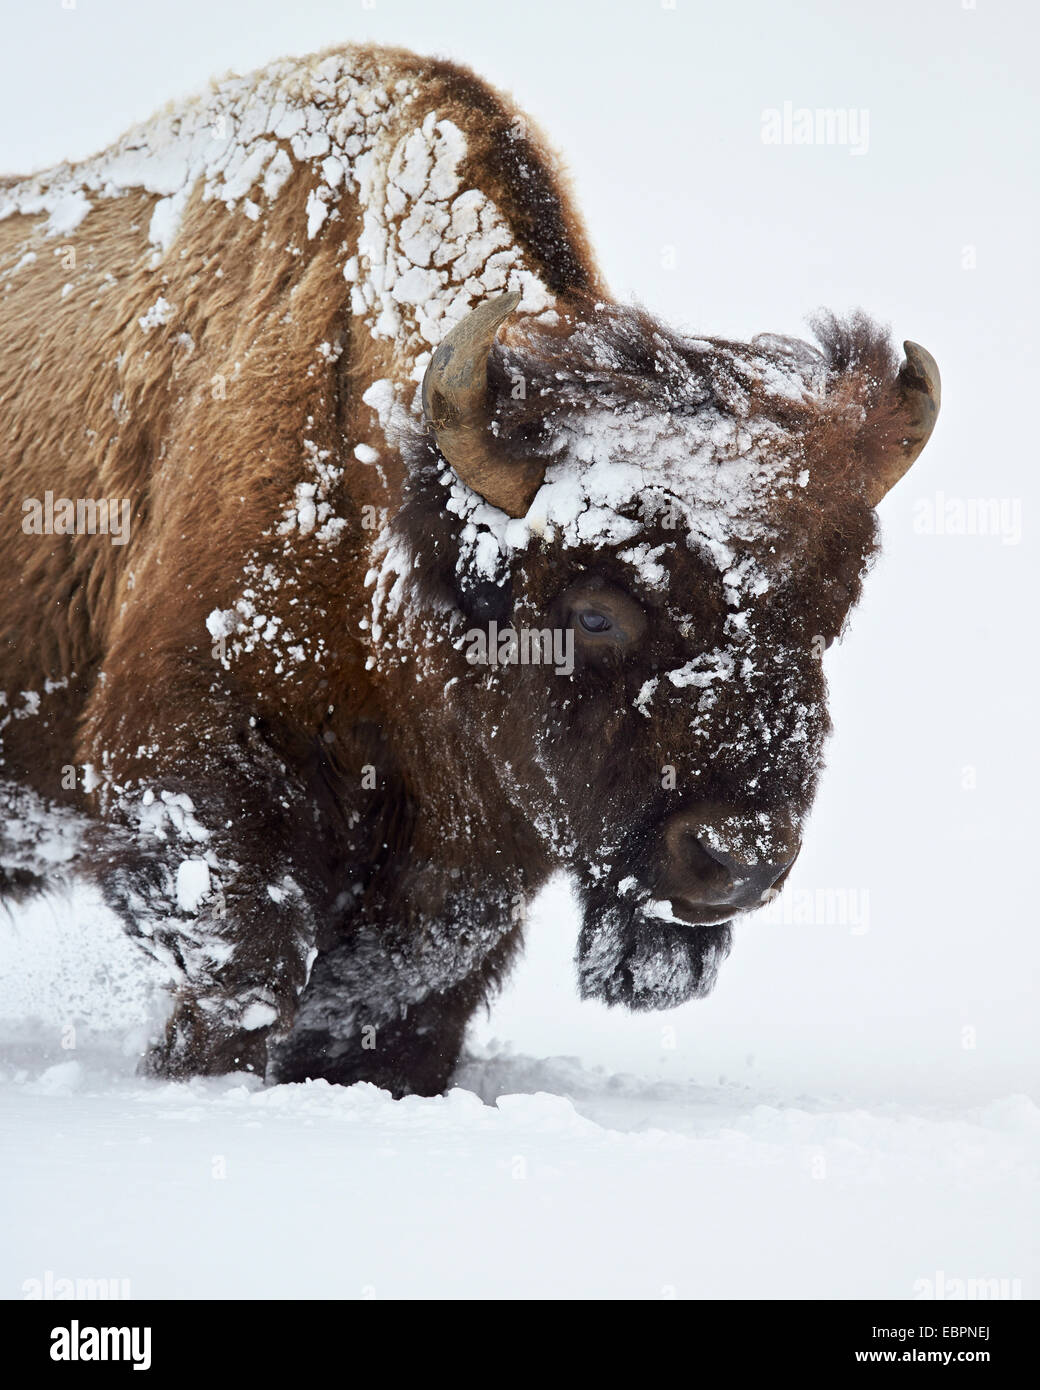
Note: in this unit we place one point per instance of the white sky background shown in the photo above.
(658, 113)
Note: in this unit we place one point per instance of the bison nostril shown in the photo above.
(699, 870)
(697, 859)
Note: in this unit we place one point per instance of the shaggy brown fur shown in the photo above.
(389, 815)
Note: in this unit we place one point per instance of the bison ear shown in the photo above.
(456, 407)
(905, 417)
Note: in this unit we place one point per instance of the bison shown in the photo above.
(367, 564)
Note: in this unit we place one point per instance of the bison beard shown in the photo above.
(366, 394)
(627, 958)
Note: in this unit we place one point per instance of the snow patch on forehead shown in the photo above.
(708, 476)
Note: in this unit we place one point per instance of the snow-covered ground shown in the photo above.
(536, 1177)
(628, 1190)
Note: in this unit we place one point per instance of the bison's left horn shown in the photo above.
(455, 404)
(914, 404)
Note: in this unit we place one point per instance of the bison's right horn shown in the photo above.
(455, 404)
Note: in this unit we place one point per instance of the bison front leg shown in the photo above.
(208, 871)
(241, 963)
(389, 1002)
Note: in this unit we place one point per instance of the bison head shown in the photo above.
(684, 523)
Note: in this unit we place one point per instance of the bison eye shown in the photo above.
(595, 622)
(605, 619)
